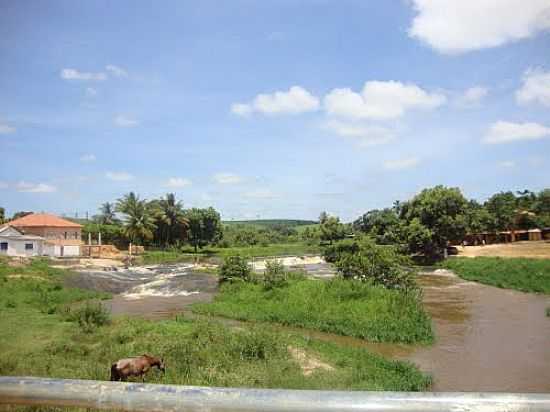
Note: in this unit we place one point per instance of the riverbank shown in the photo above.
(41, 341)
(523, 274)
(344, 307)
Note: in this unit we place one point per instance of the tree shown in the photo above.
(384, 225)
(331, 229)
(17, 215)
(107, 214)
(478, 218)
(204, 226)
(138, 217)
(502, 207)
(323, 217)
(2, 215)
(438, 212)
(381, 265)
(170, 219)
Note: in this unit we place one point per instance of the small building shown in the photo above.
(15, 243)
(61, 237)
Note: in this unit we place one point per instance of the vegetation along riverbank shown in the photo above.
(523, 274)
(50, 331)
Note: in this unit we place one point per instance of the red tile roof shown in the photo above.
(42, 220)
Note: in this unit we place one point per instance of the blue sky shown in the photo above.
(271, 109)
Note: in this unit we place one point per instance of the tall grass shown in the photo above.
(345, 307)
(526, 275)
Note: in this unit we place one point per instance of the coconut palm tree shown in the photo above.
(171, 221)
(139, 221)
(107, 214)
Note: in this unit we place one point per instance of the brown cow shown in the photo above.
(136, 366)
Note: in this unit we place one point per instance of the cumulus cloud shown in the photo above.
(472, 96)
(177, 182)
(125, 121)
(458, 26)
(87, 158)
(535, 87)
(295, 100)
(35, 187)
(380, 100)
(227, 178)
(116, 70)
(401, 164)
(506, 132)
(364, 135)
(119, 176)
(74, 74)
(6, 129)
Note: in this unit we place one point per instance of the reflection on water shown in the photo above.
(487, 339)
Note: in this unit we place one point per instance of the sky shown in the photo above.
(271, 109)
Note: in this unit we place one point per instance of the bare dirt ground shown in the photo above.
(527, 249)
(308, 362)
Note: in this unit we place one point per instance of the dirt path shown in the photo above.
(532, 249)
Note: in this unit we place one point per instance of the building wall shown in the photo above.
(17, 247)
(57, 235)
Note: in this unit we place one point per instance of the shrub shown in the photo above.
(89, 317)
(235, 268)
(274, 275)
(377, 264)
(334, 252)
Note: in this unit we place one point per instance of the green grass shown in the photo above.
(344, 307)
(526, 275)
(35, 342)
(187, 253)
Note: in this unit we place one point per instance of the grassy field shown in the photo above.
(38, 339)
(339, 306)
(524, 274)
(186, 254)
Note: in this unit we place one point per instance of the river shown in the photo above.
(487, 339)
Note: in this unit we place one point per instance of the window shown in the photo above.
(65, 235)
(76, 235)
(4, 246)
(29, 246)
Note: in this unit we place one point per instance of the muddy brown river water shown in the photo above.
(487, 339)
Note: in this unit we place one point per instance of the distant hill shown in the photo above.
(271, 222)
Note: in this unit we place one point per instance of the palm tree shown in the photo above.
(170, 217)
(139, 223)
(107, 215)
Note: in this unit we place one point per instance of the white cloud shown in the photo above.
(458, 26)
(35, 187)
(295, 100)
(380, 100)
(73, 74)
(91, 92)
(6, 129)
(119, 176)
(227, 178)
(260, 194)
(401, 164)
(505, 132)
(507, 164)
(116, 71)
(124, 121)
(472, 96)
(87, 158)
(364, 135)
(535, 87)
(177, 182)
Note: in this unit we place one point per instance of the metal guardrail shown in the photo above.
(149, 397)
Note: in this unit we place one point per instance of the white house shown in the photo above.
(15, 243)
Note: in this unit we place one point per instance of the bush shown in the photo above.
(274, 275)
(89, 317)
(235, 268)
(334, 252)
(381, 265)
